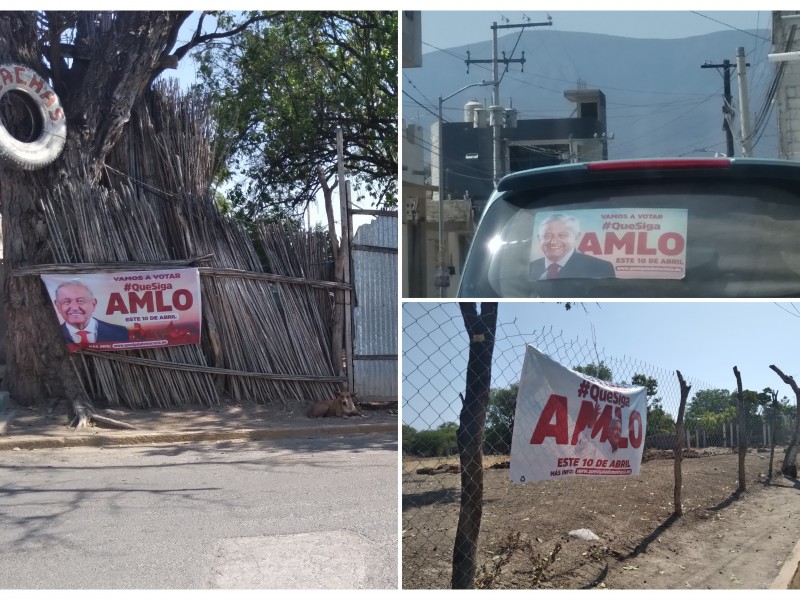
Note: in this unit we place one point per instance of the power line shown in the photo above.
(730, 26)
(420, 104)
(419, 90)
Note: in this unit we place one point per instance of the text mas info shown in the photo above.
(128, 310)
(568, 424)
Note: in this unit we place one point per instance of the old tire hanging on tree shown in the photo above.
(48, 124)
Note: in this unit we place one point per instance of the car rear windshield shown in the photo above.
(710, 238)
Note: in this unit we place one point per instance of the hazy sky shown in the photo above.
(704, 340)
(447, 29)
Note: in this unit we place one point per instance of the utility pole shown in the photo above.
(442, 277)
(727, 110)
(744, 103)
(496, 111)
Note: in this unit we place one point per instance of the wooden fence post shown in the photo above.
(742, 429)
(772, 434)
(481, 331)
(679, 444)
(788, 467)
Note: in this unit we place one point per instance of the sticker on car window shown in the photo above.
(630, 243)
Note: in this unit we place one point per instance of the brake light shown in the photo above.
(660, 163)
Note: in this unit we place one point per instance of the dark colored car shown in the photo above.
(660, 228)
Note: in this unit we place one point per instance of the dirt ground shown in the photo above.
(723, 540)
(54, 421)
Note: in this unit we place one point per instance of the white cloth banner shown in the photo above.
(567, 423)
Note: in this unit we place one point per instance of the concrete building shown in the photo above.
(416, 194)
(786, 38)
(412, 38)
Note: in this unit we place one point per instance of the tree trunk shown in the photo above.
(772, 434)
(337, 326)
(114, 60)
(678, 511)
(481, 331)
(742, 430)
(790, 458)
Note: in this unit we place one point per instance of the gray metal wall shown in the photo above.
(375, 319)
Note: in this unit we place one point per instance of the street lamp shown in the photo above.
(442, 277)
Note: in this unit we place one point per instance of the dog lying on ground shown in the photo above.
(341, 405)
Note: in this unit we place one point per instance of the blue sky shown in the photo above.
(704, 340)
(449, 28)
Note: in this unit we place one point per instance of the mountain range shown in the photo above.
(660, 101)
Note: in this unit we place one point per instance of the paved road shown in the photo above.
(294, 513)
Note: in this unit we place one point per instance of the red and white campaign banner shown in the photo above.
(127, 310)
(568, 424)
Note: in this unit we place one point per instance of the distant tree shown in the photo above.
(433, 442)
(709, 409)
(409, 439)
(284, 85)
(500, 419)
(658, 420)
(706, 403)
(650, 383)
(599, 371)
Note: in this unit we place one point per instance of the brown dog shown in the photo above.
(341, 405)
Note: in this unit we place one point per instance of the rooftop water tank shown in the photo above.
(469, 110)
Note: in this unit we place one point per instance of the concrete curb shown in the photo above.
(128, 438)
(789, 576)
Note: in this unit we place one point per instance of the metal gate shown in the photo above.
(375, 314)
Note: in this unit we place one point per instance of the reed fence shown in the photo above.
(266, 290)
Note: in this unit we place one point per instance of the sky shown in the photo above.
(447, 29)
(704, 340)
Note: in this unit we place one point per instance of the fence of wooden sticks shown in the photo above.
(266, 319)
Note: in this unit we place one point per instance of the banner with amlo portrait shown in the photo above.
(567, 424)
(127, 310)
(631, 243)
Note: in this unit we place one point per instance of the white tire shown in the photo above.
(48, 146)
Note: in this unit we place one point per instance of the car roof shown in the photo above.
(649, 169)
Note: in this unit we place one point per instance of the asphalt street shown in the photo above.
(313, 513)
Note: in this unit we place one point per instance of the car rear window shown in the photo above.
(719, 239)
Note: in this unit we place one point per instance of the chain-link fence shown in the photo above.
(524, 539)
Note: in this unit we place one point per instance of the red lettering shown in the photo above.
(17, 71)
(623, 243)
(56, 115)
(556, 406)
(602, 423)
(36, 84)
(623, 441)
(7, 76)
(153, 302)
(590, 244)
(641, 246)
(160, 306)
(48, 97)
(635, 436)
(585, 419)
(182, 299)
(145, 301)
(678, 244)
(116, 304)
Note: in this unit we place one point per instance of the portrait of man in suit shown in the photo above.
(75, 303)
(558, 238)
